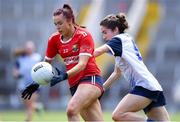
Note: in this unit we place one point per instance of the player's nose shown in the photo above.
(104, 37)
(58, 28)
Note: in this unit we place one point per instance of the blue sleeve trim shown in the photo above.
(17, 64)
(116, 45)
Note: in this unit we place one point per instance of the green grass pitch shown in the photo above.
(19, 116)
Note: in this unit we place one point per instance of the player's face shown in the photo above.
(107, 33)
(62, 25)
(29, 47)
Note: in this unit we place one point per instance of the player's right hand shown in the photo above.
(27, 93)
(61, 76)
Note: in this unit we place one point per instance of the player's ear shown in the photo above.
(116, 30)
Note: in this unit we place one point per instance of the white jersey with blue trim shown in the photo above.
(26, 63)
(129, 60)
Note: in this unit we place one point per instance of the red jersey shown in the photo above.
(80, 44)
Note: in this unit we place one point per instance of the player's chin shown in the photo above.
(60, 31)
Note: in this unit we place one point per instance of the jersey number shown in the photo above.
(137, 51)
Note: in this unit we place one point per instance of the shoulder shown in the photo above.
(115, 45)
(82, 32)
(114, 41)
(54, 36)
(123, 37)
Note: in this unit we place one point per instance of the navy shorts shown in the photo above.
(157, 97)
(94, 80)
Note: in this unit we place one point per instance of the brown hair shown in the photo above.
(67, 13)
(112, 21)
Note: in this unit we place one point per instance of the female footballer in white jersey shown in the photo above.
(146, 93)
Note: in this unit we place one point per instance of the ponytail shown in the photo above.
(67, 13)
(112, 21)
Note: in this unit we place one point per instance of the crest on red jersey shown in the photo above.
(75, 48)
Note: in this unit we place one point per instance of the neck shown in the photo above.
(69, 34)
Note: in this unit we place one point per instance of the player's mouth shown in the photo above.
(60, 31)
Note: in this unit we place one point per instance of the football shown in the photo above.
(42, 73)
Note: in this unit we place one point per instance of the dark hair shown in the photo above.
(67, 13)
(112, 21)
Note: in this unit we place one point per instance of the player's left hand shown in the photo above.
(58, 78)
(27, 93)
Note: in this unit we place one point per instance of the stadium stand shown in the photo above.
(164, 53)
(21, 20)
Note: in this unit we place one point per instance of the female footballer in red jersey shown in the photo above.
(75, 45)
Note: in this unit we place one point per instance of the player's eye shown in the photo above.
(58, 23)
(104, 32)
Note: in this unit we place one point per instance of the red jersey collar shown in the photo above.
(70, 38)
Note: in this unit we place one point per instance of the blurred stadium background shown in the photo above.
(154, 24)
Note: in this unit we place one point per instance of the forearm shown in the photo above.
(113, 77)
(75, 70)
(101, 50)
(97, 53)
(83, 59)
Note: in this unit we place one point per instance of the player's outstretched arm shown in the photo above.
(83, 59)
(101, 50)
